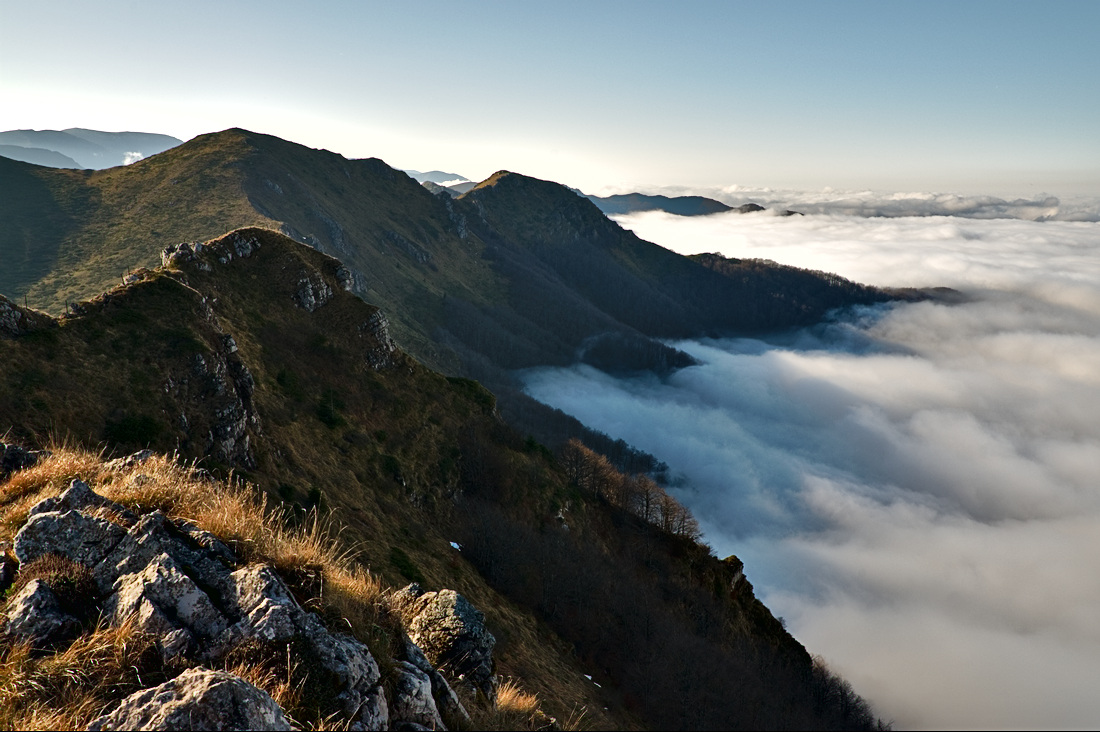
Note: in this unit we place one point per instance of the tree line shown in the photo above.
(638, 493)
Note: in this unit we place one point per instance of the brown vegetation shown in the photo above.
(638, 494)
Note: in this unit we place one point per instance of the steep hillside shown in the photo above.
(249, 353)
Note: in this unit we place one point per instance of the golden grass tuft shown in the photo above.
(513, 699)
(515, 709)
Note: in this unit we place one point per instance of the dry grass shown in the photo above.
(515, 709)
(513, 699)
(69, 687)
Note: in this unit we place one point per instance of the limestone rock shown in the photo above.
(313, 292)
(79, 497)
(14, 457)
(72, 534)
(182, 585)
(269, 612)
(380, 347)
(10, 318)
(412, 697)
(130, 461)
(198, 554)
(197, 699)
(164, 599)
(35, 614)
(452, 634)
(446, 700)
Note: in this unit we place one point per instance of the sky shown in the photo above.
(977, 97)
(914, 488)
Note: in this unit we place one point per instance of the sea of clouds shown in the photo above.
(915, 488)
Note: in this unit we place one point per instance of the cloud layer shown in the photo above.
(915, 488)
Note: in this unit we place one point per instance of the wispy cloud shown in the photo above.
(915, 488)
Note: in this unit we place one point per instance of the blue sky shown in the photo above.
(994, 97)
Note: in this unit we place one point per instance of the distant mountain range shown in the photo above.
(627, 203)
(435, 176)
(80, 148)
(624, 203)
(469, 283)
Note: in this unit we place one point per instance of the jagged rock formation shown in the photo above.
(183, 586)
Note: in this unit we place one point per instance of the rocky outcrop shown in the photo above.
(182, 586)
(452, 634)
(176, 255)
(15, 321)
(216, 390)
(234, 245)
(35, 614)
(312, 291)
(380, 347)
(197, 699)
(408, 247)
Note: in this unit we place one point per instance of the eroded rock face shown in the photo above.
(380, 347)
(412, 697)
(197, 699)
(216, 390)
(10, 318)
(72, 534)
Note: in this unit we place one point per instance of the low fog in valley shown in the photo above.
(915, 488)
